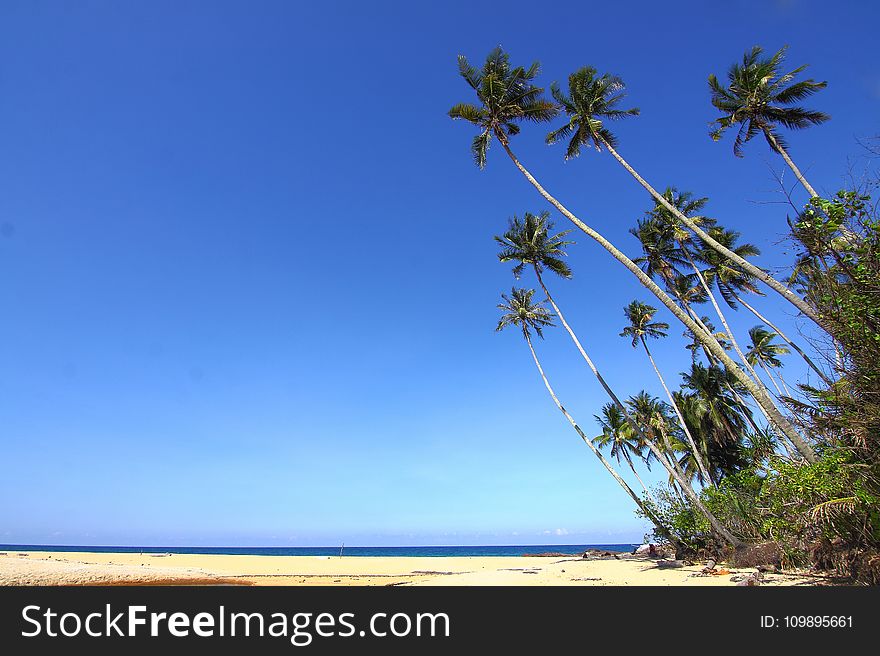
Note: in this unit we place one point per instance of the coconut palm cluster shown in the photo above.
(750, 454)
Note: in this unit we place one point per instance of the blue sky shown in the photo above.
(247, 274)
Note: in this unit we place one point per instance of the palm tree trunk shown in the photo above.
(709, 357)
(694, 498)
(848, 234)
(732, 338)
(617, 477)
(784, 338)
(697, 456)
(767, 371)
(721, 316)
(638, 478)
(759, 273)
(794, 169)
(782, 382)
(757, 392)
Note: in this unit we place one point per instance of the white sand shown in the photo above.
(56, 568)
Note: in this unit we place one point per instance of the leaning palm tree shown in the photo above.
(758, 99)
(519, 310)
(623, 442)
(508, 96)
(641, 326)
(530, 242)
(593, 99)
(762, 351)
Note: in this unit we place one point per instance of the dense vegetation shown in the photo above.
(760, 466)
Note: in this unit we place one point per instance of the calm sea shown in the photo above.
(511, 550)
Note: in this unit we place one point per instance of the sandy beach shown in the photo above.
(78, 568)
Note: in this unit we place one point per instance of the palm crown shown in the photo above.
(759, 98)
(727, 276)
(506, 96)
(528, 241)
(618, 434)
(519, 310)
(640, 325)
(591, 99)
(762, 349)
(685, 203)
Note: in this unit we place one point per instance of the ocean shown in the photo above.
(508, 550)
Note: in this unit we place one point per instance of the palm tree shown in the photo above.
(695, 345)
(507, 96)
(716, 412)
(758, 99)
(640, 326)
(764, 352)
(519, 310)
(618, 434)
(593, 99)
(653, 415)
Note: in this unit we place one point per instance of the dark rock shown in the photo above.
(599, 554)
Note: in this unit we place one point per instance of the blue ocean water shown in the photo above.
(509, 550)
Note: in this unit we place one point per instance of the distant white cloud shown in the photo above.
(558, 532)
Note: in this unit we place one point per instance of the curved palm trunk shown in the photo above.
(617, 477)
(794, 169)
(694, 498)
(697, 456)
(773, 379)
(759, 273)
(670, 455)
(638, 478)
(766, 371)
(784, 339)
(756, 391)
(721, 316)
(733, 341)
(782, 382)
(693, 315)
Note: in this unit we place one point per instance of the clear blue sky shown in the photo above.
(247, 274)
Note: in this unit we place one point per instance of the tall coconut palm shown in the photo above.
(622, 440)
(759, 98)
(507, 96)
(519, 310)
(762, 351)
(641, 326)
(593, 99)
(661, 256)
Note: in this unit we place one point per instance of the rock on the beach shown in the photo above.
(600, 554)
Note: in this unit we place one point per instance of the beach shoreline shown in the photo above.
(28, 568)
